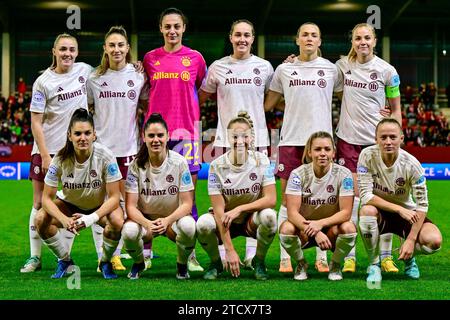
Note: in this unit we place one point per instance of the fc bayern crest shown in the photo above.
(130, 83)
(256, 71)
(320, 73)
(257, 81)
(400, 182)
(169, 178)
(373, 76)
(93, 173)
(186, 61)
(131, 94)
(81, 79)
(330, 188)
(253, 176)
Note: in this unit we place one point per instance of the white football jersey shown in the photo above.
(308, 91)
(240, 184)
(240, 85)
(320, 197)
(363, 97)
(115, 96)
(84, 184)
(57, 96)
(159, 188)
(397, 184)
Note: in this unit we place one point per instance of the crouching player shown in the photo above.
(388, 178)
(241, 186)
(87, 172)
(158, 198)
(319, 197)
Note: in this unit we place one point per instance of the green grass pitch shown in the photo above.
(159, 283)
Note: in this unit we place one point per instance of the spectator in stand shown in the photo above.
(21, 86)
(408, 94)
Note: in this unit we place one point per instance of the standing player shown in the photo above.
(319, 198)
(307, 85)
(241, 186)
(368, 82)
(241, 81)
(115, 91)
(175, 73)
(87, 172)
(389, 178)
(56, 94)
(159, 196)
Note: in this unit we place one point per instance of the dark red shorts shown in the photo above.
(308, 242)
(239, 229)
(347, 154)
(36, 168)
(123, 163)
(289, 158)
(393, 223)
(74, 209)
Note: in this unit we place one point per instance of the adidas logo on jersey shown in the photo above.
(294, 73)
(104, 84)
(228, 181)
(60, 89)
(348, 72)
(70, 175)
(229, 71)
(157, 63)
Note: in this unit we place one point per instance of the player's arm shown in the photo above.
(268, 200)
(273, 100)
(52, 209)
(407, 249)
(133, 213)
(396, 109)
(203, 96)
(293, 203)
(218, 204)
(184, 209)
(38, 135)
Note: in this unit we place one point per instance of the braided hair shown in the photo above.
(244, 117)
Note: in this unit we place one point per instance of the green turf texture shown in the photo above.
(159, 283)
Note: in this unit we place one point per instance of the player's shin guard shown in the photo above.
(35, 240)
(69, 238)
(206, 235)
(356, 203)
(321, 254)
(109, 246)
(250, 248)
(266, 220)
(132, 234)
(370, 237)
(293, 246)
(282, 216)
(57, 245)
(344, 243)
(185, 239)
(385, 245)
(97, 235)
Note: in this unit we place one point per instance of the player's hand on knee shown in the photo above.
(313, 227)
(409, 215)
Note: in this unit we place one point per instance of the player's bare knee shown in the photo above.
(347, 227)
(186, 225)
(287, 228)
(368, 210)
(206, 224)
(42, 222)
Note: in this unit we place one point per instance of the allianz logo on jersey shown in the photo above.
(256, 81)
(70, 95)
(185, 75)
(322, 83)
(95, 184)
(131, 94)
(372, 86)
(172, 190)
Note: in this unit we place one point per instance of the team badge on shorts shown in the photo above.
(281, 167)
(36, 169)
(341, 161)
